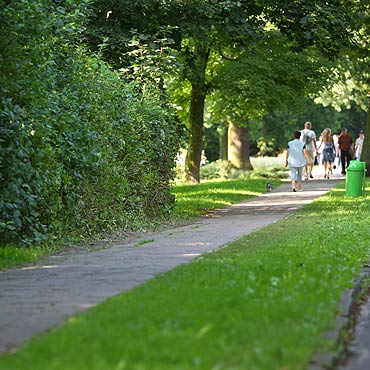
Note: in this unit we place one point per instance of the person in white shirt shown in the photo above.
(359, 144)
(337, 154)
(296, 159)
(308, 137)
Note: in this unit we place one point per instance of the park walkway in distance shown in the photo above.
(41, 296)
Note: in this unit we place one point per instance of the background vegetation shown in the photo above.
(94, 99)
(95, 96)
(81, 151)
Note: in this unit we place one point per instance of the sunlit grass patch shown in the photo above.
(194, 200)
(11, 256)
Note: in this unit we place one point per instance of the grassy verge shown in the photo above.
(11, 256)
(264, 302)
(194, 200)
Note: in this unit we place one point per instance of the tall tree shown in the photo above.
(350, 85)
(200, 27)
(271, 77)
(197, 28)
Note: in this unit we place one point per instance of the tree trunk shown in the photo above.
(223, 138)
(198, 96)
(239, 150)
(365, 155)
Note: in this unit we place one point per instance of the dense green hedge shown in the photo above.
(79, 150)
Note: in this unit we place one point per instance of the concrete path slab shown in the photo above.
(41, 296)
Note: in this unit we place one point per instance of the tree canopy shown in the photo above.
(199, 30)
(89, 89)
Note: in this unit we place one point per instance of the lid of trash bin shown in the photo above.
(355, 165)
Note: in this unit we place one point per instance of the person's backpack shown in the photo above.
(307, 139)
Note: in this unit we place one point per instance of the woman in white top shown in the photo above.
(358, 144)
(296, 158)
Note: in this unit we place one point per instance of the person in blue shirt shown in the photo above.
(296, 159)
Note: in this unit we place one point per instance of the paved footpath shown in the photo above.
(41, 296)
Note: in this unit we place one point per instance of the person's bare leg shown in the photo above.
(311, 168)
(293, 185)
(300, 185)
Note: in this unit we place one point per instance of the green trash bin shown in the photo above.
(355, 178)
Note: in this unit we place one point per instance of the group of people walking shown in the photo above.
(304, 149)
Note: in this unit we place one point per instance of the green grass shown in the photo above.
(262, 303)
(11, 256)
(194, 200)
(142, 242)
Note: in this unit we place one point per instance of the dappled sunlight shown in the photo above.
(220, 192)
(39, 267)
(197, 199)
(191, 254)
(234, 191)
(347, 199)
(85, 306)
(205, 203)
(338, 190)
(220, 201)
(195, 243)
(267, 162)
(344, 212)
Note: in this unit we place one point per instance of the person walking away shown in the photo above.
(328, 152)
(203, 158)
(308, 137)
(296, 159)
(359, 144)
(336, 148)
(345, 143)
(319, 151)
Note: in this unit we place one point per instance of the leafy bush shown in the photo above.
(79, 149)
(224, 170)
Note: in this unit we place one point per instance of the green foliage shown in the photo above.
(225, 170)
(322, 24)
(219, 170)
(269, 77)
(222, 169)
(18, 177)
(80, 150)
